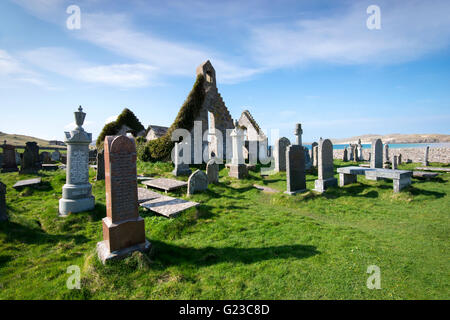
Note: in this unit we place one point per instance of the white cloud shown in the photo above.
(66, 63)
(409, 30)
(12, 72)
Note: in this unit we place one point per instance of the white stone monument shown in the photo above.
(238, 169)
(77, 192)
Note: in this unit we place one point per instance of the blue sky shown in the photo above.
(313, 62)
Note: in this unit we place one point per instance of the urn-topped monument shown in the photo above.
(77, 192)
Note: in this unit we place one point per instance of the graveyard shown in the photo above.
(240, 243)
(209, 156)
(178, 216)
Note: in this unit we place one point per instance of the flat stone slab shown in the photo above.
(50, 167)
(388, 173)
(27, 183)
(143, 178)
(434, 169)
(145, 195)
(265, 189)
(426, 175)
(168, 206)
(353, 170)
(364, 165)
(165, 184)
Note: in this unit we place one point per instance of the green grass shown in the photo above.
(239, 244)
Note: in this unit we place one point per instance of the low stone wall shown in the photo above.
(439, 154)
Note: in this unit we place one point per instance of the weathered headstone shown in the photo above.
(92, 155)
(425, 161)
(376, 154)
(238, 169)
(3, 215)
(386, 153)
(100, 166)
(345, 156)
(314, 149)
(31, 162)
(123, 228)
(354, 153)
(399, 159)
(308, 163)
(181, 168)
(359, 151)
(395, 162)
(280, 154)
(45, 157)
(77, 192)
(197, 182)
(56, 156)
(295, 164)
(1, 161)
(18, 158)
(325, 168)
(9, 158)
(295, 169)
(212, 171)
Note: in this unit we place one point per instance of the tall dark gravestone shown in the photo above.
(295, 164)
(123, 228)
(100, 165)
(9, 158)
(31, 162)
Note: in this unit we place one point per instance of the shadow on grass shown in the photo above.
(422, 180)
(169, 254)
(415, 192)
(354, 190)
(24, 234)
(4, 259)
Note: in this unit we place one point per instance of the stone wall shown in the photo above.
(439, 154)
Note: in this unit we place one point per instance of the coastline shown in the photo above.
(436, 154)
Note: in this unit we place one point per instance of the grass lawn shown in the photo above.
(239, 244)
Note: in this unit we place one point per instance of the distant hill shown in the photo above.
(396, 138)
(20, 140)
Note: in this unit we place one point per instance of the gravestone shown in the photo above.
(1, 161)
(9, 158)
(77, 192)
(180, 159)
(31, 162)
(100, 166)
(359, 151)
(295, 164)
(212, 171)
(376, 154)
(425, 156)
(395, 162)
(399, 160)
(345, 156)
(92, 156)
(45, 157)
(308, 163)
(197, 182)
(56, 156)
(63, 158)
(280, 154)
(325, 168)
(3, 215)
(354, 153)
(315, 151)
(314, 148)
(123, 228)
(238, 169)
(295, 169)
(18, 158)
(386, 153)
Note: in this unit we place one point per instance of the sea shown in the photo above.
(394, 145)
